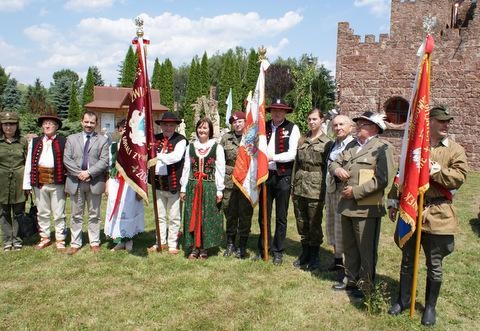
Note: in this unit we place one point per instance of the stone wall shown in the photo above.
(370, 72)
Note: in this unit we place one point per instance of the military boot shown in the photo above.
(403, 300)
(241, 252)
(230, 246)
(336, 265)
(314, 262)
(303, 258)
(431, 296)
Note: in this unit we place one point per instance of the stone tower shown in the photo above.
(379, 75)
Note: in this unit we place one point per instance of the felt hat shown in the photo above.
(238, 115)
(169, 117)
(375, 118)
(55, 118)
(278, 104)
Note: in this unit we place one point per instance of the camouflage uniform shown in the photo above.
(309, 196)
(237, 208)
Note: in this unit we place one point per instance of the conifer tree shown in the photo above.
(166, 85)
(193, 92)
(73, 107)
(88, 89)
(205, 75)
(155, 80)
(230, 78)
(128, 69)
(35, 100)
(252, 72)
(3, 79)
(97, 77)
(11, 98)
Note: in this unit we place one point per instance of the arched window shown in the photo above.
(396, 109)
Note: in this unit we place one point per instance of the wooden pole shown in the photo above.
(417, 255)
(265, 222)
(151, 173)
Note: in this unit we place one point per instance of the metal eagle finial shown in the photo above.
(139, 23)
(429, 23)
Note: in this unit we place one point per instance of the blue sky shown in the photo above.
(39, 37)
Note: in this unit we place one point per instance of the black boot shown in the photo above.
(403, 300)
(336, 265)
(431, 296)
(303, 258)
(314, 262)
(230, 246)
(241, 252)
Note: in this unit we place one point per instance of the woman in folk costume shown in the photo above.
(202, 185)
(125, 214)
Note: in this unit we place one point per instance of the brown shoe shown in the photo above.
(173, 251)
(164, 247)
(95, 249)
(153, 249)
(44, 242)
(60, 245)
(72, 250)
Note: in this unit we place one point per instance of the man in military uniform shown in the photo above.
(170, 159)
(309, 190)
(282, 142)
(448, 170)
(45, 172)
(365, 167)
(237, 208)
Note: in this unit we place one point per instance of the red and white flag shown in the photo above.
(251, 166)
(136, 151)
(414, 173)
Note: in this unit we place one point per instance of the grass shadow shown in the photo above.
(475, 225)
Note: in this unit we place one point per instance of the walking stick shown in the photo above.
(417, 254)
(151, 173)
(265, 225)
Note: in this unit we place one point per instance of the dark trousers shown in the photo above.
(278, 190)
(309, 214)
(238, 213)
(360, 243)
(435, 247)
(9, 215)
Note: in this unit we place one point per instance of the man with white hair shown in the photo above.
(365, 169)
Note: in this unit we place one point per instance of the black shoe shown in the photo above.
(258, 256)
(356, 294)
(229, 250)
(336, 265)
(277, 259)
(241, 253)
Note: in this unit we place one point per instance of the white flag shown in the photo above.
(229, 104)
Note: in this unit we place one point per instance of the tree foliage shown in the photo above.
(193, 92)
(97, 76)
(60, 90)
(155, 80)
(166, 85)
(278, 82)
(3, 79)
(230, 78)
(11, 98)
(36, 99)
(128, 69)
(251, 74)
(323, 90)
(74, 112)
(88, 89)
(205, 75)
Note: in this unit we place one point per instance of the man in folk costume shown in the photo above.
(448, 171)
(282, 140)
(237, 208)
(365, 167)
(45, 172)
(169, 167)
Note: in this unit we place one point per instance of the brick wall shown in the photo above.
(369, 72)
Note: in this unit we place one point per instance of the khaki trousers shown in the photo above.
(50, 201)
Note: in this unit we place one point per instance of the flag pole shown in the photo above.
(417, 255)
(151, 168)
(265, 222)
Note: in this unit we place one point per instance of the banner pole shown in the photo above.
(417, 255)
(265, 222)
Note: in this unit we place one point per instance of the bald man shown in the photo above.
(342, 127)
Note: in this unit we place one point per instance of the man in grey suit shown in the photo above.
(86, 160)
(365, 168)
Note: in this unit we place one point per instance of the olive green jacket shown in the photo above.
(375, 157)
(230, 145)
(310, 167)
(12, 165)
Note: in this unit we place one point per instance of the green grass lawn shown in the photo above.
(44, 290)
